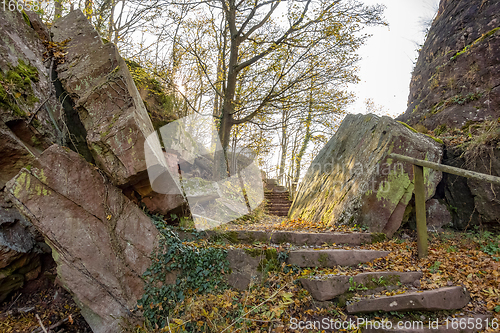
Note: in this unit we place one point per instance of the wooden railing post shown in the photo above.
(418, 170)
(418, 179)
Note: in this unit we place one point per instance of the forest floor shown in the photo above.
(44, 298)
(471, 259)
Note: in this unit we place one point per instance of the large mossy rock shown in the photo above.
(352, 181)
(100, 240)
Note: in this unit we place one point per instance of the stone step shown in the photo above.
(297, 238)
(284, 196)
(276, 190)
(329, 287)
(278, 212)
(278, 207)
(332, 258)
(449, 298)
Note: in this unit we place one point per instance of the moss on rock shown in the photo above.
(16, 90)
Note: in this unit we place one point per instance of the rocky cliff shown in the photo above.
(455, 94)
(457, 76)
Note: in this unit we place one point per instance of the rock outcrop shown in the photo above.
(97, 79)
(31, 119)
(111, 109)
(472, 202)
(457, 75)
(100, 240)
(455, 91)
(352, 181)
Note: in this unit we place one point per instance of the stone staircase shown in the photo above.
(277, 198)
(359, 294)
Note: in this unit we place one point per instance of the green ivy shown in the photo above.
(199, 270)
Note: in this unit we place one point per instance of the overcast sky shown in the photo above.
(388, 56)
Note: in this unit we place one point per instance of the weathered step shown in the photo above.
(449, 298)
(276, 189)
(332, 258)
(280, 198)
(279, 210)
(279, 203)
(298, 238)
(283, 212)
(333, 286)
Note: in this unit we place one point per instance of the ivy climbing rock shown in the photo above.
(100, 240)
(352, 181)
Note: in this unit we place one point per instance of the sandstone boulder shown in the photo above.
(352, 181)
(97, 79)
(100, 240)
(31, 119)
(438, 215)
(119, 131)
(472, 202)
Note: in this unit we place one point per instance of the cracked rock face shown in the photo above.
(100, 240)
(111, 110)
(352, 181)
(97, 78)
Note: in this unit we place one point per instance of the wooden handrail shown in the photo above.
(418, 172)
(447, 169)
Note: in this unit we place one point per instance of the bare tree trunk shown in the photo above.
(57, 9)
(88, 10)
(306, 140)
(111, 22)
(284, 144)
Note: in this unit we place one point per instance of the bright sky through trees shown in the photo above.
(388, 56)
